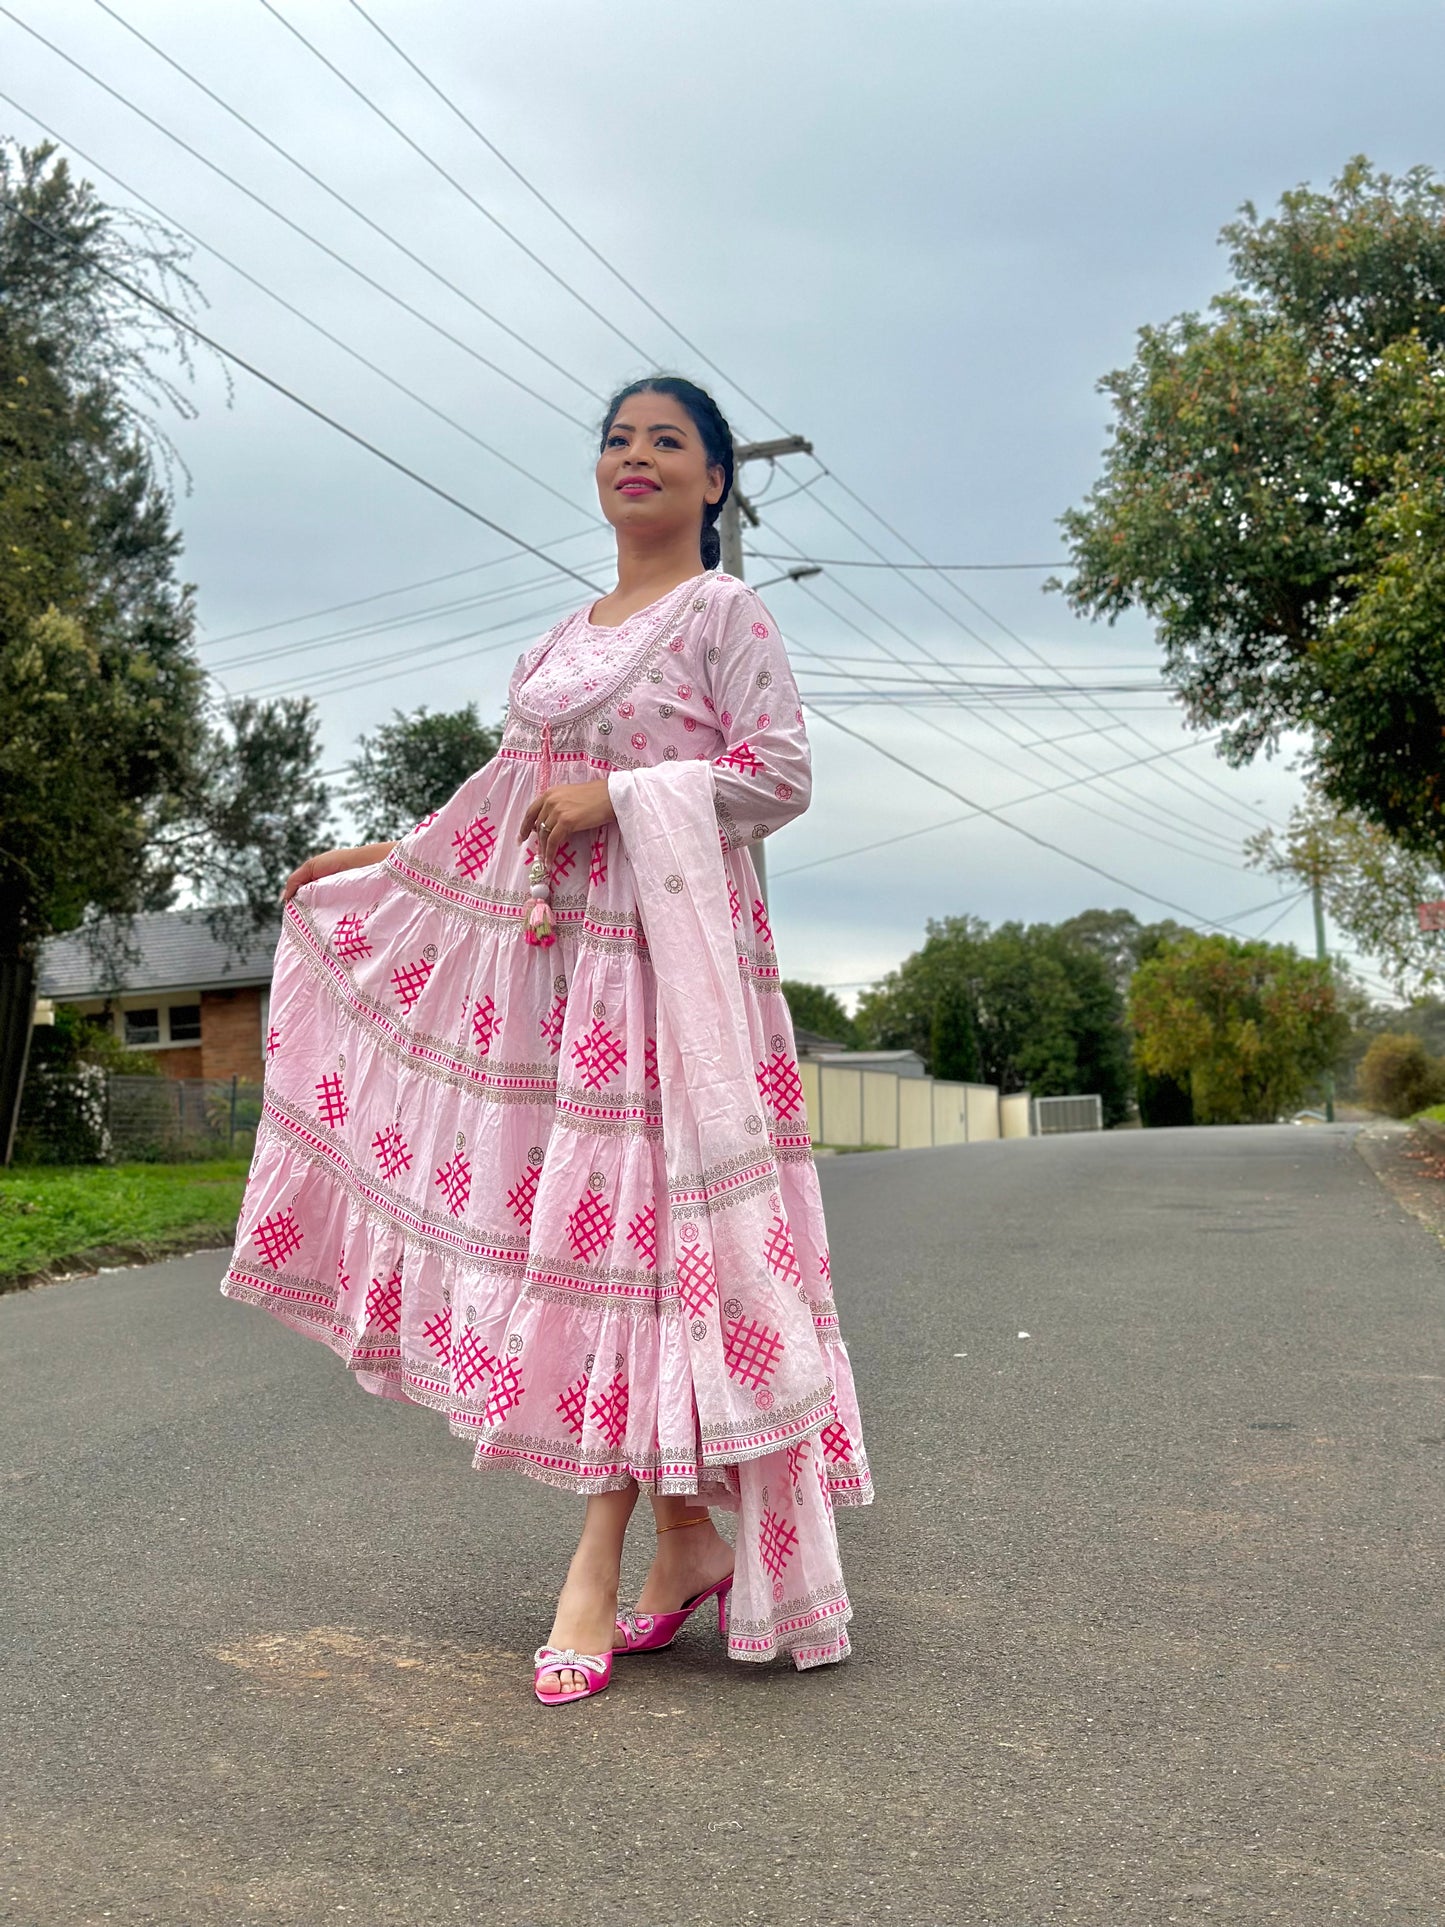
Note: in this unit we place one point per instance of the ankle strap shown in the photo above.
(682, 1524)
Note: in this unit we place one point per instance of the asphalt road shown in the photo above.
(1149, 1611)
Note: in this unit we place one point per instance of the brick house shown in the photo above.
(200, 1009)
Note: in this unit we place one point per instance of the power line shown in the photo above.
(180, 321)
(936, 568)
(1093, 807)
(968, 816)
(465, 192)
(381, 595)
(326, 333)
(405, 619)
(558, 215)
(1044, 843)
(296, 227)
(336, 195)
(633, 289)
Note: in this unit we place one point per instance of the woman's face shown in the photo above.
(653, 475)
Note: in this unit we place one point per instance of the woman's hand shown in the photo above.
(566, 810)
(328, 862)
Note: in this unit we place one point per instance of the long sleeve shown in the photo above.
(763, 778)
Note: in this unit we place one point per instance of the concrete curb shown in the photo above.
(138, 1251)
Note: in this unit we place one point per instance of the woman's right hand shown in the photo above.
(328, 862)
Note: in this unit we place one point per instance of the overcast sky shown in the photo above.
(915, 234)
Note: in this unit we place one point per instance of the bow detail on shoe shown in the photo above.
(635, 1626)
(557, 1659)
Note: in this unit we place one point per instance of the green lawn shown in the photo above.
(55, 1214)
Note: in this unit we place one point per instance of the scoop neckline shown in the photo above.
(613, 628)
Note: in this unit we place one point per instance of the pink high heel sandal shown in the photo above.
(655, 1632)
(595, 1668)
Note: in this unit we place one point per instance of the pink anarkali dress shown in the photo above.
(565, 1195)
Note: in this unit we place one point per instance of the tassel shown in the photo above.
(538, 927)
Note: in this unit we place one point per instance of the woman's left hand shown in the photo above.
(565, 810)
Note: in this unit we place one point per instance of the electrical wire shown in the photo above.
(883, 560)
(465, 192)
(189, 327)
(295, 226)
(317, 180)
(848, 562)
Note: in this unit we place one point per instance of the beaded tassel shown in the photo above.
(538, 927)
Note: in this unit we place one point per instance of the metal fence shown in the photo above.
(1053, 1114)
(87, 1116)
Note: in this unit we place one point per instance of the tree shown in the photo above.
(953, 1043)
(1245, 1026)
(1120, 939)
(1271, 495)
(817, 1009)
(410, 766)
(119, 779)
(1045, 1011)
(1370, 884)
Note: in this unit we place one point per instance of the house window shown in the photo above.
(185, 1023)
(142, 1027)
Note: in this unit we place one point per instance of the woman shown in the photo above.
(534, 1150)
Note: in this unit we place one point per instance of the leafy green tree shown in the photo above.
(409, 767)
(819, 1010)
(119, 779)
(1047, 1014)
(954, 1040)
(1271, 497)
(1247, 1027)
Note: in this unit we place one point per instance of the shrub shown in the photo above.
(1398, 1076)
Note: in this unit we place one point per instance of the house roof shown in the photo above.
(177, 952)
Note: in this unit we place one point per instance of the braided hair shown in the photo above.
(717, 441)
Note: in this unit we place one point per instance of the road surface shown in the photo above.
(1148, 1611)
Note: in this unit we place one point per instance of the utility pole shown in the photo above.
(730, 530)
(1324, 956)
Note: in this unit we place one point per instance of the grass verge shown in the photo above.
(59, 1219)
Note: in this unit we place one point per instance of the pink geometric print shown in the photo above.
(741, 759)
(597, 868)
(760, 920)
(277, 1237)
(506, 1391)
(649, 1063)
(778, 1080)
(471, 1361)
(610, 1411)
(343, 1278)
(273, 1041)
(454, 1181)
(551, 1025)
(836, 1442)
(590, 1226)
(484, 1024)
(777, 1542)
(696, 1279)
(825, 1268)
(391, 1152)
(521, 1196)
(474, 846)
(735, 902)
(598, 1055)
(778, 1250)
(410, 981)
(332, 1100)
(563, 864)
(642, 1236)
(572, 1407)
(383, 1303)
(437, 1331)
(349, 938)
(751, 1352)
